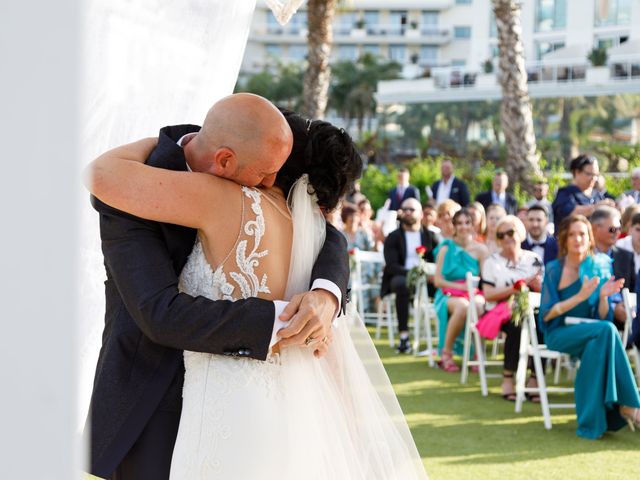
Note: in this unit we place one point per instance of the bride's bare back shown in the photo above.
(250, 240)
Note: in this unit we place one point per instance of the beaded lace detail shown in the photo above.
(212, 382)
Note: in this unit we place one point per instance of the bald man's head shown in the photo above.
(244, 138)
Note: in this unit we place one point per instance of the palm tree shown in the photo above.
(515, 110)
(320, 38)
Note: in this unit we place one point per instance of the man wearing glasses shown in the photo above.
(606, 228)
(401, 254)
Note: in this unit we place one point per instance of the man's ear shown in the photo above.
(224, 162)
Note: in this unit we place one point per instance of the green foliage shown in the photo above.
(281, 84)
(598, 56)
(376, 183)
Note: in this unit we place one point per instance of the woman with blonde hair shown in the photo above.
(495, 213)
(479, 220)
(446, 210)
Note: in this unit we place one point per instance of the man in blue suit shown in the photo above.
(402, 190)
(537, 239)
(450, 187)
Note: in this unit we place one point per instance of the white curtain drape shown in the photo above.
(147, 64)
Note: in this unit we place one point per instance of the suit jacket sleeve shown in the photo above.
(465, 198)
(137, 260)
(392, 263)
(333, 262)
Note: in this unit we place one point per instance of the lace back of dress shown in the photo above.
(235, 277)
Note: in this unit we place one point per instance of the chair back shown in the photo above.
(472, 283)
(359, 284)
(630, 301)
(534, 302)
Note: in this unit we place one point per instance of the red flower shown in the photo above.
(519, 285)
(352, 251)
(421, 250)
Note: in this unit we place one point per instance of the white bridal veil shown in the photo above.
(147, 64)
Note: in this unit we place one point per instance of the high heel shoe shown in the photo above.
(508, 388)
(447, 363)
(633, 419)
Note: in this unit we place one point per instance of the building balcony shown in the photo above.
(448, 84)
(367, 34)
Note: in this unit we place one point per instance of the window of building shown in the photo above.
(430, 18)
(272, 24)
(398, 53)
(458, 63)
(493, 27)
(397, 22)
(612, 12)
(347, 53)
(463, 2)
(273, 50)
(551, 15)
(344, 22)
(429, 54)
(298, 53)
(542, 48)
(298, 22)
(462, 32)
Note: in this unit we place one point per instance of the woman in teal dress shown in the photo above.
(579, 284)
(454, 258)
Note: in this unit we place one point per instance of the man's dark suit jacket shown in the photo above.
(148, 323)
(550, 249)
(395, 254)
(624, 266)
(485, 198)
(459, 191)
(409, 192)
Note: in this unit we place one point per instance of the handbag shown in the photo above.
(490, 322)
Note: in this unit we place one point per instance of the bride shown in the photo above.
(294, 415)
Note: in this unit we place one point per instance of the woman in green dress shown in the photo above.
(579, 284)
(454, 258)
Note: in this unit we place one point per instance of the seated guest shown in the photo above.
(631, 242)
(455, 257)
(355, 235)
(400, 256)
(580, 197)
(495, 213)
(500, 271)
(449, 186)
(625, 221)
(537, 239)
(479, 220)
(498, 194)
(446, 210)
(605, 222)
(402, 191)
(578, 284)
(634, 193)
(370, 226)
(601, 187)
(429, 217)
(522, 214)
(540, 192)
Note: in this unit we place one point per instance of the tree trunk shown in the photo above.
(320, 37)
(515, 109)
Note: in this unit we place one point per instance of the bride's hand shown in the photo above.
(311, 315)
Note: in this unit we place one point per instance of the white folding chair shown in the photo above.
(423, 314)
(529, 347)
(630, 302)
(360, 284)
(471, 334)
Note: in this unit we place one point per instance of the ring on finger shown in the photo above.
(310, 339)
(325, 340)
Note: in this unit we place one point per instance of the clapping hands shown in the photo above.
(611, 287)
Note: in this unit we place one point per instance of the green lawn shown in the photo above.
(462, 435)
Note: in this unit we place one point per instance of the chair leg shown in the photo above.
(390, 322)
(417, 321)
(542, 390)
(481, 365)
(380, 319)
(430, 350)
(556, 373)
(466, 354)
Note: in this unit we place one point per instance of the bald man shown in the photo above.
(400, 256)
(136, 400)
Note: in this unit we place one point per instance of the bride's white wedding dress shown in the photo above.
(293, 416)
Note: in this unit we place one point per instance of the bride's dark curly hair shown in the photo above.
(324, 152)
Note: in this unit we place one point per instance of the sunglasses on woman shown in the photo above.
(509, 233)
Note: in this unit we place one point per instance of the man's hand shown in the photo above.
(311, 315)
